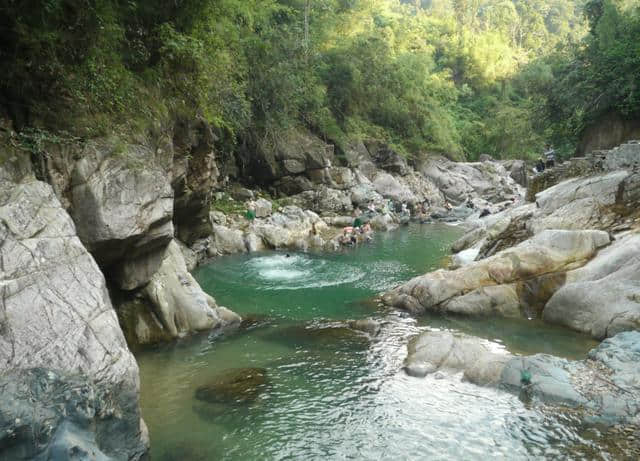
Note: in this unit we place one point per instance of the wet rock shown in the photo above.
(321, 336)
(434, 351)
(252, 321)
(48, 414)
(235, 386)
(369, 326)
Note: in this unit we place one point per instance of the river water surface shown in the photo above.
(344, 396)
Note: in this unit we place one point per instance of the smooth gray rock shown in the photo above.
(55, 313)
(545, 253)
(458, 181)
(179, 302)
(434, 351)
(122, 203)
(603, 297)
(391, 188)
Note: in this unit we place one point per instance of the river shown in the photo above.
(335, 394)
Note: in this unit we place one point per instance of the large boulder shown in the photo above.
(546, 253)
(121, 201)
(434, 351)
(603, 297)
(179, 303)
(56, 315)
(386, 158)
(288, 154)
(390, 187)
(595, 202)
(458, 181)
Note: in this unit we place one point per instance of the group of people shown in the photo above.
(360, 230)
(548, 159)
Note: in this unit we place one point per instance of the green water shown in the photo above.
(344, 396)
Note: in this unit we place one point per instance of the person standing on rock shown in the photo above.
(251, 211)
(550, 156)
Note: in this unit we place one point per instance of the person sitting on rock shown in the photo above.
(357, 222)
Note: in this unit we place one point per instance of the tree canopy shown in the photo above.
(459, 77)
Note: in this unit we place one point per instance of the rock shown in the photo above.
(355, 153)
(364, 193)
(389, 187)
(291, 185)
(235, 386)
(56, 314)
(121, 203)
(289, 228)
(291, 153)
(369, 326)
(342, 178)
(605, 387)
(264, 208)
(545, 253)
(464, 257)
(228, 241)
(578, 203)
(458, 180)
(241, 194)
(194, 176)
(49, 414)
(386, 158)
(383, 222)
(179, 302)
(432, 351)
(517, 171)
(130, 274)
(189, 255)
(253, 243)
(139, 322)
(603, 297)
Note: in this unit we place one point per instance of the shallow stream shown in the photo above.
(335, 394)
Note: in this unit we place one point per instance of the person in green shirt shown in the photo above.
(357, 223)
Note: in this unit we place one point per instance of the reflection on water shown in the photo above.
(333, 393)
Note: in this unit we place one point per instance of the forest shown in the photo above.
(457, 77)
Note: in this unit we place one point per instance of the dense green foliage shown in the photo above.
(462, 77)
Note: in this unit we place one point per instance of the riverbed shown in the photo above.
(333, 393)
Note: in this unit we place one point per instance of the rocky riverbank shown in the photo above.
(99, 236)
(571, 258)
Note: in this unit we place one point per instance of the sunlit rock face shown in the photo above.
(56, 315)
(492, 285)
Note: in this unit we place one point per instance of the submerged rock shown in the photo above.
(239, 385)
(321, 336)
